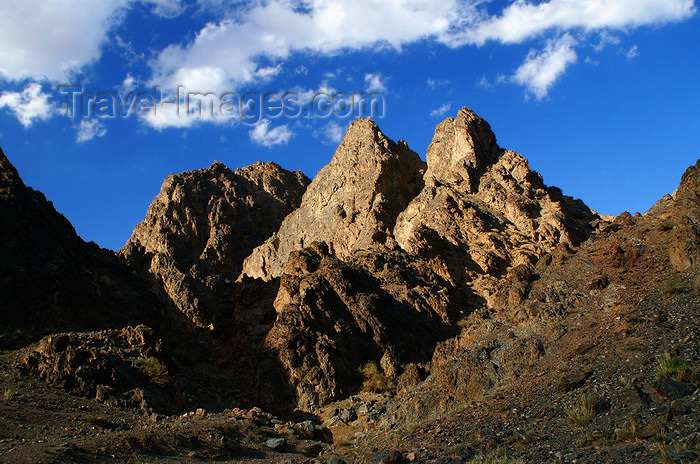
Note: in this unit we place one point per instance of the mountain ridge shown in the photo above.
(370, 305)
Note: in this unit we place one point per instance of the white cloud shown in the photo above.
(523, 20)
(541, 69)
(277, 28)
(128, 84)
(375, 83)
(41, 39)
(250, 41)
(331, 132)
(89, 129)
(233, 47)
(435, 83)
(196, 110)
(28, 105)
(483, 83)
(264, 135)
(440, 112)
(632, 52)
(50, 39)
(606, 39)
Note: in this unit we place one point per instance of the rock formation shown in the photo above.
(483, 210)
(334, 316)
(203, 224)
(683, 215)
(351, 205)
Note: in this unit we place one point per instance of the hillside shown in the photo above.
(456, 309)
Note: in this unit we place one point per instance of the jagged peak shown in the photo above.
(363, 129)
(462, 147)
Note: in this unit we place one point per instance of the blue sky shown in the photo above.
(601, 96)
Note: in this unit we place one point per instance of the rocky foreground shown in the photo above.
(390, 310)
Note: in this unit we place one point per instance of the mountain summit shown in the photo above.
(395, 303)
(352, 203)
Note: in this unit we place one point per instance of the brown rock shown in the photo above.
(203, 224)
(573, 381)
(672, 390)
(483, 210)
(351, 205)
(651, 430)
(333, 317)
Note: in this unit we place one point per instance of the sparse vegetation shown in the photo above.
(593, 437)
(672, 367)
(8, 394)
(153, 368)
(664, 450)
(495, 458)
(583, 413)
(628, 432)
(375, 380)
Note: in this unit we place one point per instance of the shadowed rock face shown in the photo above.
(352, 204)
(203, 224)
(50, 279)
(483, 210)
(333, 316)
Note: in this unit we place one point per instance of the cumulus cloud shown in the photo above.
(250, 40)
(523, 20)
(331, 132)
(440, 112)
(542, 68)
(375, 83)
(42, 39)
(263, 135)
(277, 28)
(233, 47)
(28, 105)
(190, 110)
(89, 129)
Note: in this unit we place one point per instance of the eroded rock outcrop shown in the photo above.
(333, 316)
(483, 210)
(202, 225)
(684, 216)
(352, 204)
(82, 362)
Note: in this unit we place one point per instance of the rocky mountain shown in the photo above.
(51, 280)
(390, 310)
(351, 205)
(201, 227)
(482, 210)
(381, 237)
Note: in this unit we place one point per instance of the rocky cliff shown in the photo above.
(386, 254)
(483, 210)
(203, 224)
(352, 203)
